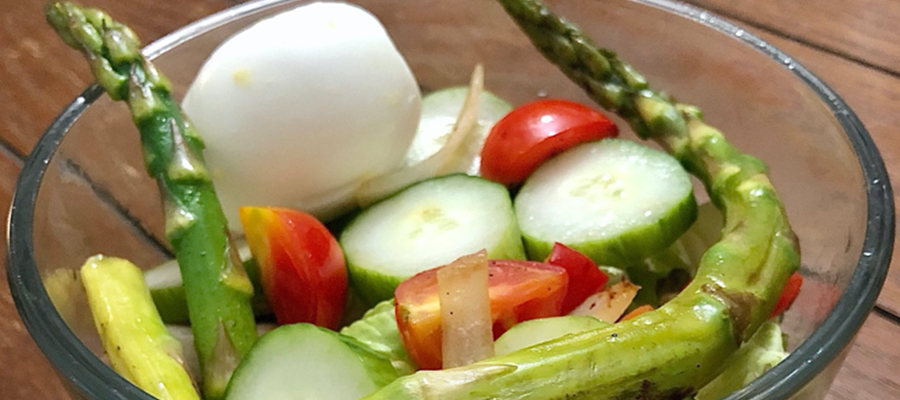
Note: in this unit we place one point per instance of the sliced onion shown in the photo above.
(609, 304)
(467, 336)
(439, 163)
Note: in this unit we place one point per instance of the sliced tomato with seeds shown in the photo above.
(518, 291)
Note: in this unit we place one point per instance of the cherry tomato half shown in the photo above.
(585, 278)
(529, 135)
(301, 265)
(518, 291)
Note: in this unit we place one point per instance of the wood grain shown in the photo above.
(864, 30)
(67, 204)
(870, 370)
(35, 83)
(32, 377)
(39, 76)
(110, 157)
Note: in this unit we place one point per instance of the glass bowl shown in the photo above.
(84, 190)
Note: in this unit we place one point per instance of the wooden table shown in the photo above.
(850, 44)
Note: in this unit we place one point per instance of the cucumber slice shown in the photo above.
(378, 330)
(705, 232)
(530, 333)
(686, 252)
(427, 225)
(614, 200)
(305, 362)
(167, 291)
(662, 275)
(440, 110)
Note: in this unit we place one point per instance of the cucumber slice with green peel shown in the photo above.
(614, 200)
(662, 275)
(428, 225)
(686, 252)
(305, 362)
(705, 232)
(440, 110)
(530, 333)
(167, 290)
(378, 330)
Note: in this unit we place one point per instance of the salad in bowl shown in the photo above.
(340, 231)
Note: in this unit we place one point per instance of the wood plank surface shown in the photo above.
(863, 30)
(40, 75)
(851, 45)
(32, 377)
(870, 370)
(69, 203)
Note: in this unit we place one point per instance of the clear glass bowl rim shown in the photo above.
(83, 370)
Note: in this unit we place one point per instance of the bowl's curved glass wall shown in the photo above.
(96, 198)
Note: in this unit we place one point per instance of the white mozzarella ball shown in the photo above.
(299, 108)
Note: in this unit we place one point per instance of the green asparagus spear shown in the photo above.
(137, 343)
(671, 352)
(218, 291)
(167, 290)
(759, 354)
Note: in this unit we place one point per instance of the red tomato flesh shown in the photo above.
(301, 265)
(585, 278)
(518, 291)
(788, 294)
(529, 135)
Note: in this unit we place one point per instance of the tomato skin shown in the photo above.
(530, 134)
(301, 265)
(637, 312)
(788, 294)
(585, 278)
(518, 291)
